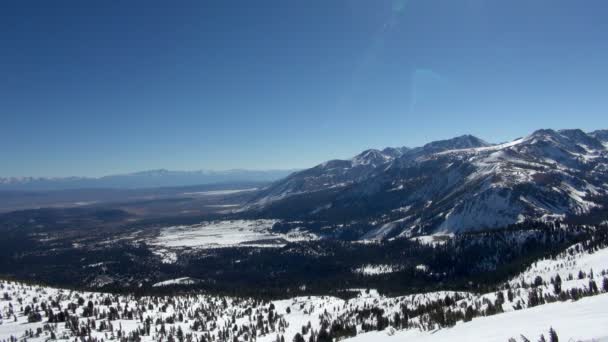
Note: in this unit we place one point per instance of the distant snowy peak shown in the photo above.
(573, 140)
(458, 143)
(452, 185)
(396, 152)
(579, 137)
(375, 158)
(342, 173)
(143, 179)
(17, 183)
(601, 135)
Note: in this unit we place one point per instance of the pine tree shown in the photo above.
(323, 336)
(581, 275)
(557, 285)
(553, 336)
(533, 299)
(469, 314)
(592, 286)
(298, 338)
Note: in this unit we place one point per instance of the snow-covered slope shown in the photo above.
(451, 186)
(367, 317)
(584, 320)
(567, 266)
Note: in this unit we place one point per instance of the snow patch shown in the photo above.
(371, 270)
(178, 281)
(229, 233)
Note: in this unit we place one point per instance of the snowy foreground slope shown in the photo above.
(529, 305)
(583, 320)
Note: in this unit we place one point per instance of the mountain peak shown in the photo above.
(543, 132)
(601, 135)
(395, 152)
(452, 185)
(157, 172)
(457, 143)
(371, 157)
(569, 139)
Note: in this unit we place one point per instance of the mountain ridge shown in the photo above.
(141, 179)
(451, 185)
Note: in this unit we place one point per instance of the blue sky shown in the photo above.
(93, 88)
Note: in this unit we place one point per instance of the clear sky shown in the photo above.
(99, 87)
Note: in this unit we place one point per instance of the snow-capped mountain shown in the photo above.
(143, 179)
(343, 173)
(601, 135)
(451, 185)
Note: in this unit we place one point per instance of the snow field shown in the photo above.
(581, 320)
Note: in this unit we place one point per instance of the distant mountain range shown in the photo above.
(452, 185)
(144, 179)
